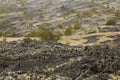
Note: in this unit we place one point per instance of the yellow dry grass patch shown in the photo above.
(79, 39)
(104, 38)
(73, 42)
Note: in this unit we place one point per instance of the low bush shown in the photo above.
(117, 13)
(78, 15)
(111, 22)
(14, 34)
(77, 26)
(48, 35)
(87, 14)
(1, 34)
(102, 30)
(61, 26)
(68, 31)
(33, 34)
(45, 35)
(7, 33)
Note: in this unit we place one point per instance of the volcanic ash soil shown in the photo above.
(41, 60)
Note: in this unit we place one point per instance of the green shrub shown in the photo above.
(77, 26)
(1, 34)
(63, 6)
(7, 33)
(87, 14)
(2, 23)
(78, 15)
(110, 10)
(2, 11)
(25, 13)
(14, 35)
(44, 26)
(97, 46)
(68, 31)
(33, 34)
(94, 10)
(102, 30)
(111, 22)
(45, 35)
(61, 26)
(117, 13)
(48, 35)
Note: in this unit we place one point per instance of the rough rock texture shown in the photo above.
(38, 60)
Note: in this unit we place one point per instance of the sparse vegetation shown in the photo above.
(14, 34)
(68, 31)
(78, 15)
(94, 10)
(1, 34)
(98, 46)
(111, 22)
(2, 10)
(63, 6)
(69, 13)
(2, 23)
(110, 10)
(77, 26)
(117, 13)
(102, 30)
(87, 14)
(33, 34)
(48, 35)
(45, 34)
(85, 32)
(7, 33)
(61, 26)
(25, 13)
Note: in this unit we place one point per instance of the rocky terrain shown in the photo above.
(40, 60)
(87, 45)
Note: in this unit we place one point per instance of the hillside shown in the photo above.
(59, 39)
(23, 16)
